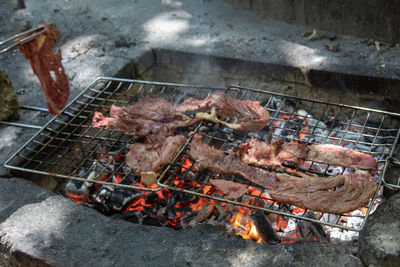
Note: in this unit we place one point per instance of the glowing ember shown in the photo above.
(78, 198)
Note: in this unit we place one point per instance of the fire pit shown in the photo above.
(92, 160)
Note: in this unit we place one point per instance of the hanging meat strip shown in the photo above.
(46, 65)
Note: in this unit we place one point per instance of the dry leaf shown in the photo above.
(332, 47)
(377, 45)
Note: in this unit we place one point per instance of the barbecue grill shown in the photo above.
(68, 145)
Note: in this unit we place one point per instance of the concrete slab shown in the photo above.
(39, 228)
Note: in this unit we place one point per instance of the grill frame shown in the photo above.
(164, 179)
(67, 111)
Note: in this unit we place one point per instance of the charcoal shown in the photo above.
(182, 197)
(330, 218)
(219, 210)
(281, 104)
(184, 210)
(148, 220)
(161, 202)
(77, 187)
(151, 198)
(347, 136)
(227, 130)
(149, 210)
(117, 198)
(199, 216)
(185, 220)
(329, 120)
(202, 176)
(133, 216)
(308, 229)
(264, 228)
(170, 212)
(130, 179)
(203, 213)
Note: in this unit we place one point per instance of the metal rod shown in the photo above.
(24, 125)
(34, 108)
(14, 41)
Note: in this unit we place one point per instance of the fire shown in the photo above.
(117, 178)
(186, 165)
(241, 222)
(78, 198)
(247, 227)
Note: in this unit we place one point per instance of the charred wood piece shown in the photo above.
(308, 230)
(264, 228)
(118, 198)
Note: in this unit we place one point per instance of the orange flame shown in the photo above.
(78, 198)
(117, 178)
(248, 228)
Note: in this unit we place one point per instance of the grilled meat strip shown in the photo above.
(248, 115)
(215, 160)
(272, 155)
(44, 62)
(231, 189)
(153, 118)
(351, 192)
(260, 153)
(149, 159)
(315, 193)
(331, 154)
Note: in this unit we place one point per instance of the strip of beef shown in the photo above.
(260, 153)
(47, 66)
(328, 154)
(153, 118)
(230, 189)
(315, 193)
(351, 192)
(149, 159)
(248, 115)
(150, 108)
(215, 160)
(272, 155)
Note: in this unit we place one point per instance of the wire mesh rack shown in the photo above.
(68, 146)
(293, 119)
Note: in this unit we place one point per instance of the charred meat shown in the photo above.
(149, 159)
(272, 155)
(215, 160)
(260, 153)
(247, 115)
(153, 118)
(332, 155)
(337, 194)
(231, 190)
(46, 65)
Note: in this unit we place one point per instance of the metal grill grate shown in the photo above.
(365, 130)
(69, 147)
